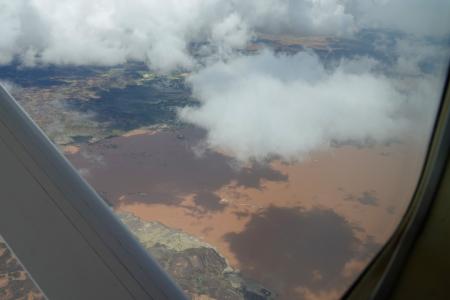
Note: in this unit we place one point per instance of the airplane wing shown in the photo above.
(61, 230)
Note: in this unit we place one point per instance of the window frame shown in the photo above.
(381, 277)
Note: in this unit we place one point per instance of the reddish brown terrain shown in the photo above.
(15, 282)
(302, 229)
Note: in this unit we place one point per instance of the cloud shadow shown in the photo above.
(288, 248)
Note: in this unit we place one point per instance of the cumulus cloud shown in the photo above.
(417, 17)
(254, 106)
(161, 33)
(265, 105)
(307, 17)
(97, 32)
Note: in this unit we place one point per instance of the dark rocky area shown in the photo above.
(197, 267)
(15, 282)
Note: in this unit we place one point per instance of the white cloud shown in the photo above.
(9, 30)
(160, 33)
(308, 17)
(416, 17)
(253, 106)
(259, 106)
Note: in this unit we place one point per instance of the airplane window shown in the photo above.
(15, 281)
(257, 149)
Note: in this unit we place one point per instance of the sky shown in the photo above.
(265, 105)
